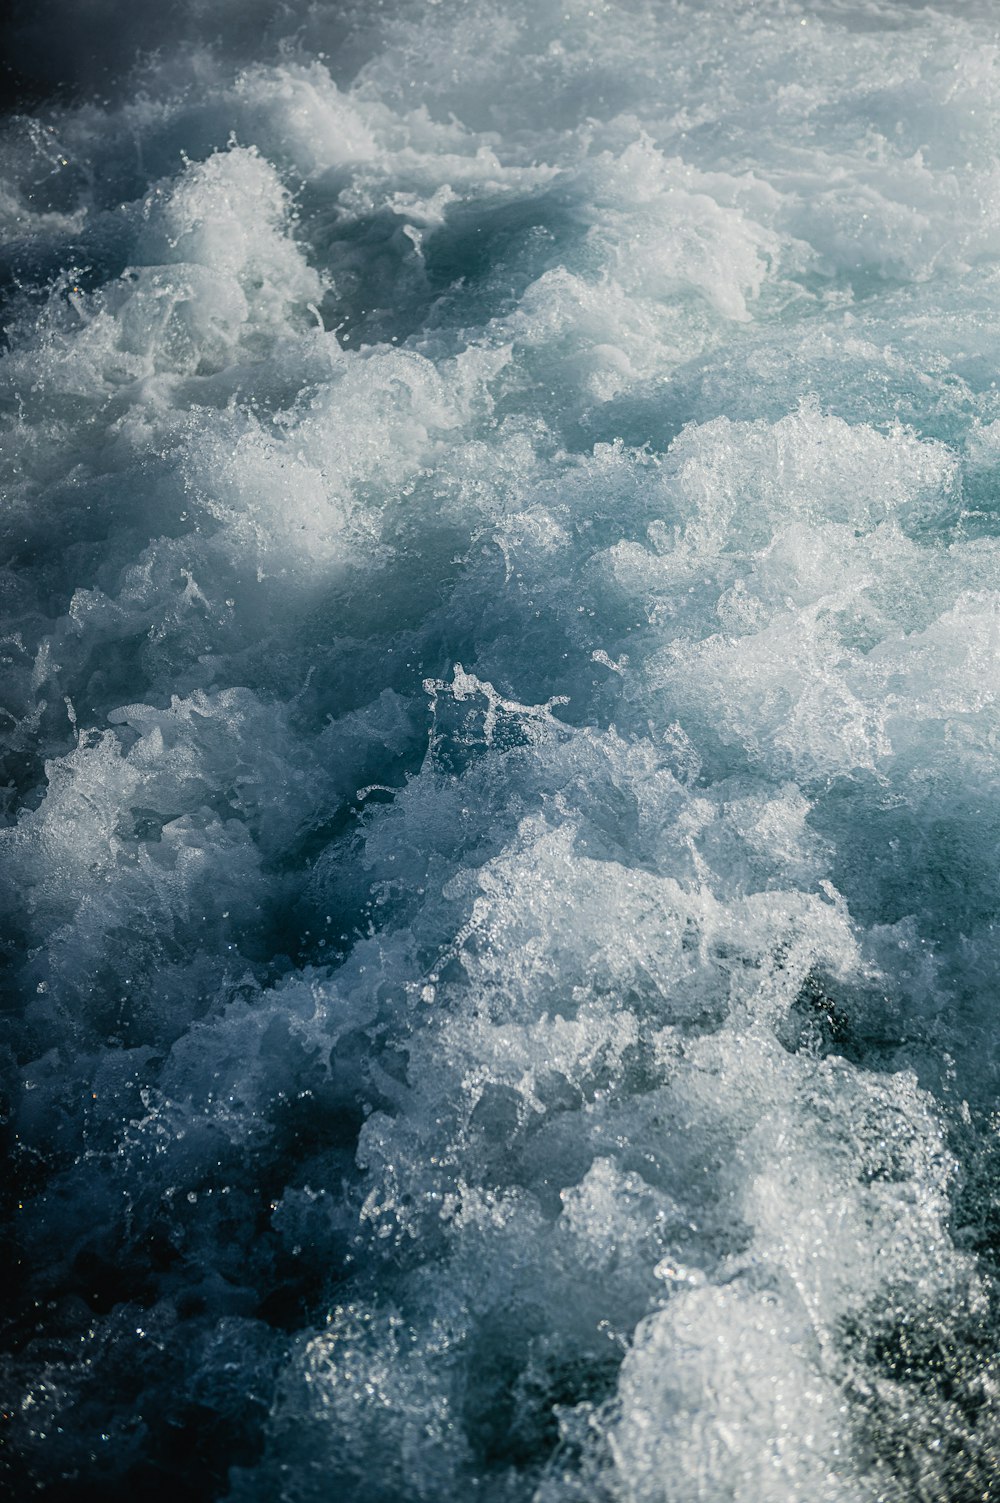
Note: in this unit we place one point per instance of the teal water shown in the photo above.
(501, 656)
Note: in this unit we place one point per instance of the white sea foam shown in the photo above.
(501, 624)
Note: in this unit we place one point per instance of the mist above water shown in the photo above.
(501, 621)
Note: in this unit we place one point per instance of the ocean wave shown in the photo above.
(501, 620)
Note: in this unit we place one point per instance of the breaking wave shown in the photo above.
(501, 629)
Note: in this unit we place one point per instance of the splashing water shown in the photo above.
(501, 654)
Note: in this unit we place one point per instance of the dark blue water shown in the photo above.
(501, 662)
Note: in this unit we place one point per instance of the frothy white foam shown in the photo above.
(501, 624)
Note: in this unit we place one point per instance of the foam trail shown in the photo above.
(501, 619)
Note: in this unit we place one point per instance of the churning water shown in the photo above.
(501, 643)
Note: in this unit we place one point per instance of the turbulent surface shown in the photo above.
(501, 605)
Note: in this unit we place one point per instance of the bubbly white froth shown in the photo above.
(501, 644)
